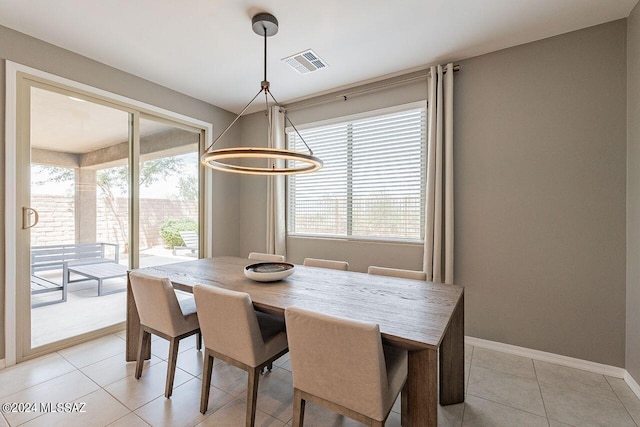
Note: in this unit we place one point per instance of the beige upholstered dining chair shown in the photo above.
(326, 263)
(342, 365)
(162, 314)
(397, 272)
(257, 256)
(235, 333)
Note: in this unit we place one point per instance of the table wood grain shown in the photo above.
(418, 316)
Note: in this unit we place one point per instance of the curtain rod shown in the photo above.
(345, 96)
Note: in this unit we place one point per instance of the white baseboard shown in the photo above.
(558, 359)
(633, 385)
(585, 365)
(2, 364)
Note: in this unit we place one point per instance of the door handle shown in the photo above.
(26, 214)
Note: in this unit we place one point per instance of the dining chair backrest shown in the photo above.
(397, 272)
(157, 304)
(338, 360)
(229, 324)
(326, 263)
(258, 256)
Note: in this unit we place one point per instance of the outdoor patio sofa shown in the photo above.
(54, 257)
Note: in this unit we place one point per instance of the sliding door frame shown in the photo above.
(19, 77)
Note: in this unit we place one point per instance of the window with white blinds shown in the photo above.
(372, 185)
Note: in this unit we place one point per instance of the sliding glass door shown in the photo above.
(77, 167)
(101, 188)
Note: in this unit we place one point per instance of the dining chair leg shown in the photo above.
(171, 369)
(298, 409)
(404, 406)
(252, 396)
(199, 341)
(142, 344)
(206, 380)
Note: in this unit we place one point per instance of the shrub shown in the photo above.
(170, 228)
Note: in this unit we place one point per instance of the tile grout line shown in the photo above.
(121, 402)
(464, 406)
(623, 405)
(544, 406)
(126, 415)
(4, 418)
(503, 372)
(76, 367)
(100, 387)
(582, 392)
(42, 382)
(552, 358)
(106, 391)
(162, 393)
(617, 399)
(517, 376)
(82, 367)
(234, 398)
(80, 397)
(37, 384)
(508, 406)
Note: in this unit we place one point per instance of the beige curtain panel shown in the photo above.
(438, 241)
(276, 226)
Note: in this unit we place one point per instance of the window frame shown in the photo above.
(347, 120)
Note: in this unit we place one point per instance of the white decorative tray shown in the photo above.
(269, 271)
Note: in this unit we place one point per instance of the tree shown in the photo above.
(55, 173)
(117, 178)
(151, 171)
(188, 188)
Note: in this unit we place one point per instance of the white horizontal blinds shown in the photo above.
(388, 176)
(318, 201)
(372, 183)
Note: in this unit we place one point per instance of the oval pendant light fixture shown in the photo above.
(266, 25)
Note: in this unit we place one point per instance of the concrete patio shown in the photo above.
(84, 311)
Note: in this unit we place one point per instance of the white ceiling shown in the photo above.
(60, 123)
(207, 49)
(71, 125)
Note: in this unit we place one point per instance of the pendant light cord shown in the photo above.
(230, 159)
(234, 120)
(265, 54)
(286, 117)
(264, 87)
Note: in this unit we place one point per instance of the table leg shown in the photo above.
(452, 359)
(133, 327)
(422, 389)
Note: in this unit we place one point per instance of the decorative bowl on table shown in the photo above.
(269, 271)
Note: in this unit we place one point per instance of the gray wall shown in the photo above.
(540, 146)
(633, 194)
(26, 50)
(540, 175)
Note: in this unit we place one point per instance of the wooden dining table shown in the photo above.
(425, 318)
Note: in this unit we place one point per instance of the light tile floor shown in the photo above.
(501, 390)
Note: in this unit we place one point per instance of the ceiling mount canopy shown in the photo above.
(265, 25)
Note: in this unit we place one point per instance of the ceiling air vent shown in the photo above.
(305, 62)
